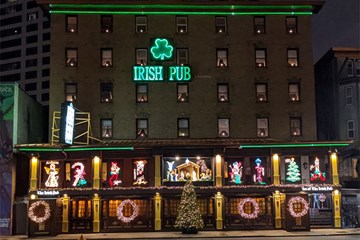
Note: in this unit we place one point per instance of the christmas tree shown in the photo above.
(293, 171)
(188, 217)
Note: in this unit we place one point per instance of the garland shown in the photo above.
(120, 208)
(38, 219)
(252, 215)
(295, 200)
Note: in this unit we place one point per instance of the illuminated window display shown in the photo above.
(316, 170)
(259, 175)
(79, 175)
(139, 172)
(236, 172)
(111, 173)
(114, 174)
(52, 173)
(293, 169)
(184, 169)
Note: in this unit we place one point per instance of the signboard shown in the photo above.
(67, 123)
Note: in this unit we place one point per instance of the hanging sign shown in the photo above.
(67, 123)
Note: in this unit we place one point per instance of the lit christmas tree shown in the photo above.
(293, 171)
(188, 217)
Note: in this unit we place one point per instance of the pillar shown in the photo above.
(276, 169)
(96, 167)
(96, 218)
(33, 173)
(65, 214)
(334, 168)
(219, 210)
(157, 200)
(157, 171)
(336, 195)
(277, 207)
(218, 170)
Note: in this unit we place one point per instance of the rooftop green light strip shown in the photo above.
(296, 145)
(163, 6)
(175, 13)
(74, 149)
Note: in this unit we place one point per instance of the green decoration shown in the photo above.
(162, 49)
(293, 171)
(188, 218)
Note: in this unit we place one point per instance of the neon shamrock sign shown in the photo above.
(162, 49)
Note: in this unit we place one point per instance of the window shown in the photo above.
(46, 48)
(71, 57)
(106, 92)
(262, 127)
(291, 25)
(141, 24)
(181, 24)
(350, 68)
(294, 92)
(182, 56)
(30, 86)
(31, 51)
(221, 57)
(32, 27)
(46, 36)
(259, 25)
(220, 25)
(31, 75)
(106, 57)
(223, 127)
(183, 93)
(32, 39)
(350, 129)
(31, 63)
(348, 95)
(141, 93)
(106, 128)
(260, 57)
(183, 127)
(223, 92)
(293, 57)
(45, 97)
(32, 16)
(295, 126)
(71, 24)
(141, 127)
(261, 92)
(357, 67)
(106, 24)
(141, 56)
(70, 92)
(45, 72)
(45, 60)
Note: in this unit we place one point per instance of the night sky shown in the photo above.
(336, 25)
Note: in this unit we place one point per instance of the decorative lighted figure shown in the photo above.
(139, 172)
(188, 169)
(114, 174)
(316, 202)
(205, 172)
(52, 171)
(236, 172)
(322, 199)
(317, 174)
(79, 174)
(260, 172)
(170, 170)
(162, 49)
(293, 170)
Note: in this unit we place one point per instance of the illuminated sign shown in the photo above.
(161, 50)
(315, 188)
(47, 193)
(67, 123)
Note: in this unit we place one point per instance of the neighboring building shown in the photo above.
(337, 76)
(21, 121)
(25, 47)
(217, 92)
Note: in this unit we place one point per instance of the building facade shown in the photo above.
(217, 92)
(25, 47)
(337, 76)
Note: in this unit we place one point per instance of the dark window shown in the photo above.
(259, 25)
(31, 51)
(30, 87)
(260, 58)
(46, 24)
(31, 4)
(45, 60)
(106, 92)
(220, 25)
(182, 56)
(142, 127)
(141, 24)
(181, 24)
(350, 67)
(71, 57)
(11, 9)
(71, 24)
(141, 93)
(46, 48)
(32, 39)
(350, 127)
(45, 97)
(46, 72)
(31, 62)
(45, 85)
(10, 43)
(183, 127)
(10, 66)
(349, 95)
(221, 57)
(70, 92)
(10, 21)
(10, 78)
(32, 27)
(46, 36)
(31, 75)
(9, 55)
(106, 57)
(10, 32)
(106, 24)
(291, 25)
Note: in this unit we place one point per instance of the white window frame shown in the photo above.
(357, 67)
(350, 130)
(350, 67)
(349, 95)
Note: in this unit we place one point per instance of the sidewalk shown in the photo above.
(201, 234)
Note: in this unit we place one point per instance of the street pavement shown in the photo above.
(353, 232)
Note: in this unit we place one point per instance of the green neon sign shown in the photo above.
(156, 73)
(76, 149)
(162, 50)
(294, 145)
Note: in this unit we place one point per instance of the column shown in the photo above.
(157, 171)
(277, 207)
(219, 210)
(65, 214)
(276, 169)
(33, 173)
(157, 200)
(336, 195)
(218, 170)
(96, 219)
(334, 168)
(96, 167)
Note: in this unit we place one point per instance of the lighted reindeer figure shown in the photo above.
(79, 174)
